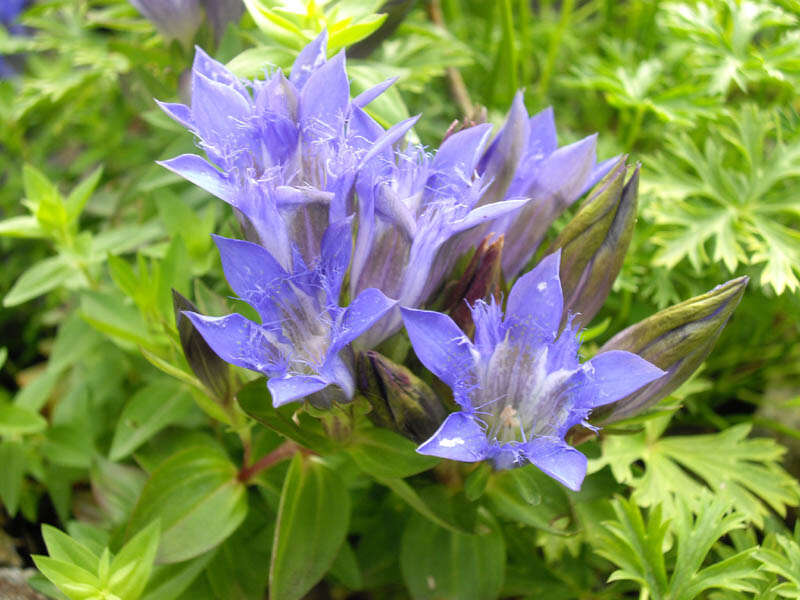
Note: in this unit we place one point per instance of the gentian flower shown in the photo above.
(283, 152)
(524, 161)
(302, 342)
(9, 11)
(520, 385)
(180, 19)
(174, 19)
(416, 214)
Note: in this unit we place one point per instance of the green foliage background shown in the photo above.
(106, 433)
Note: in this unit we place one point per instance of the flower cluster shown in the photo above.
(350, 233)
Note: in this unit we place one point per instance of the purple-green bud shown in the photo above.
(677, 339)
(209, 368)
(594, 243)
(481, 279)
(400, 400)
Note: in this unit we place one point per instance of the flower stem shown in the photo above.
(286, 450)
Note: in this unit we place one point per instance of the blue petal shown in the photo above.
(542, 140)
(489, 330)
(458, 438)
(460, 152)
(369, 95)
(488, 212)
(252, 273)
(366, 310)
(239, 341)
(310, 59)
(178, 112)
(324, 99)
(363, 130)
(336, 247)
(565, 172)
(293, 387)
(558, 460)
(503, 156)
(394, 134)
(536, 302)
(215, 71)
(440, 345)
(198, 170)
(219, 112)
(612, 375)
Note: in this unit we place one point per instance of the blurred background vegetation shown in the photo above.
(94, 234)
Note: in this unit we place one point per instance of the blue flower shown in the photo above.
(416, 215)
(302, 342)
(283, 152)
(9, 11)
(175, 19)
(180, 19)
(519, 384)
(524, 161)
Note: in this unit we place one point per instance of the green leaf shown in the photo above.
(21, 227)
(475, 483)
(131, 568)
(12, 474)
(17, 420)
(354, 33)
(168, 582)
(148, 411)
(125, 238)
(745, 471)
(637, 547)
(110, 315)
(240, 567)
(438, 563)
(197, 498)
(80, 195)
(413, 499)
(254, 399)
(526, 495)
(69, 446)
(345, 568)
(312, 522)
(116, 488)
(42, 277)
(75, 582)
(387, 455)
(45, 200)
(62, 547)
(780, 555)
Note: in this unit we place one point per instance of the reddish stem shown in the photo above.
(282, 452)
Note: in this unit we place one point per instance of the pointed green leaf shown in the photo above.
(312, 522)
(198, 499)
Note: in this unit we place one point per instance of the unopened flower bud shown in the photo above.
(204, 362)
(481, 279)
(594, 243)
(677, 340)
(400, 400)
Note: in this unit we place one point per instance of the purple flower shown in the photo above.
(524, 161)
(416, 213)
(283, 152)
(175, 19)
(180, 19)
(302, 342)
(519, 384)
(9, 11)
